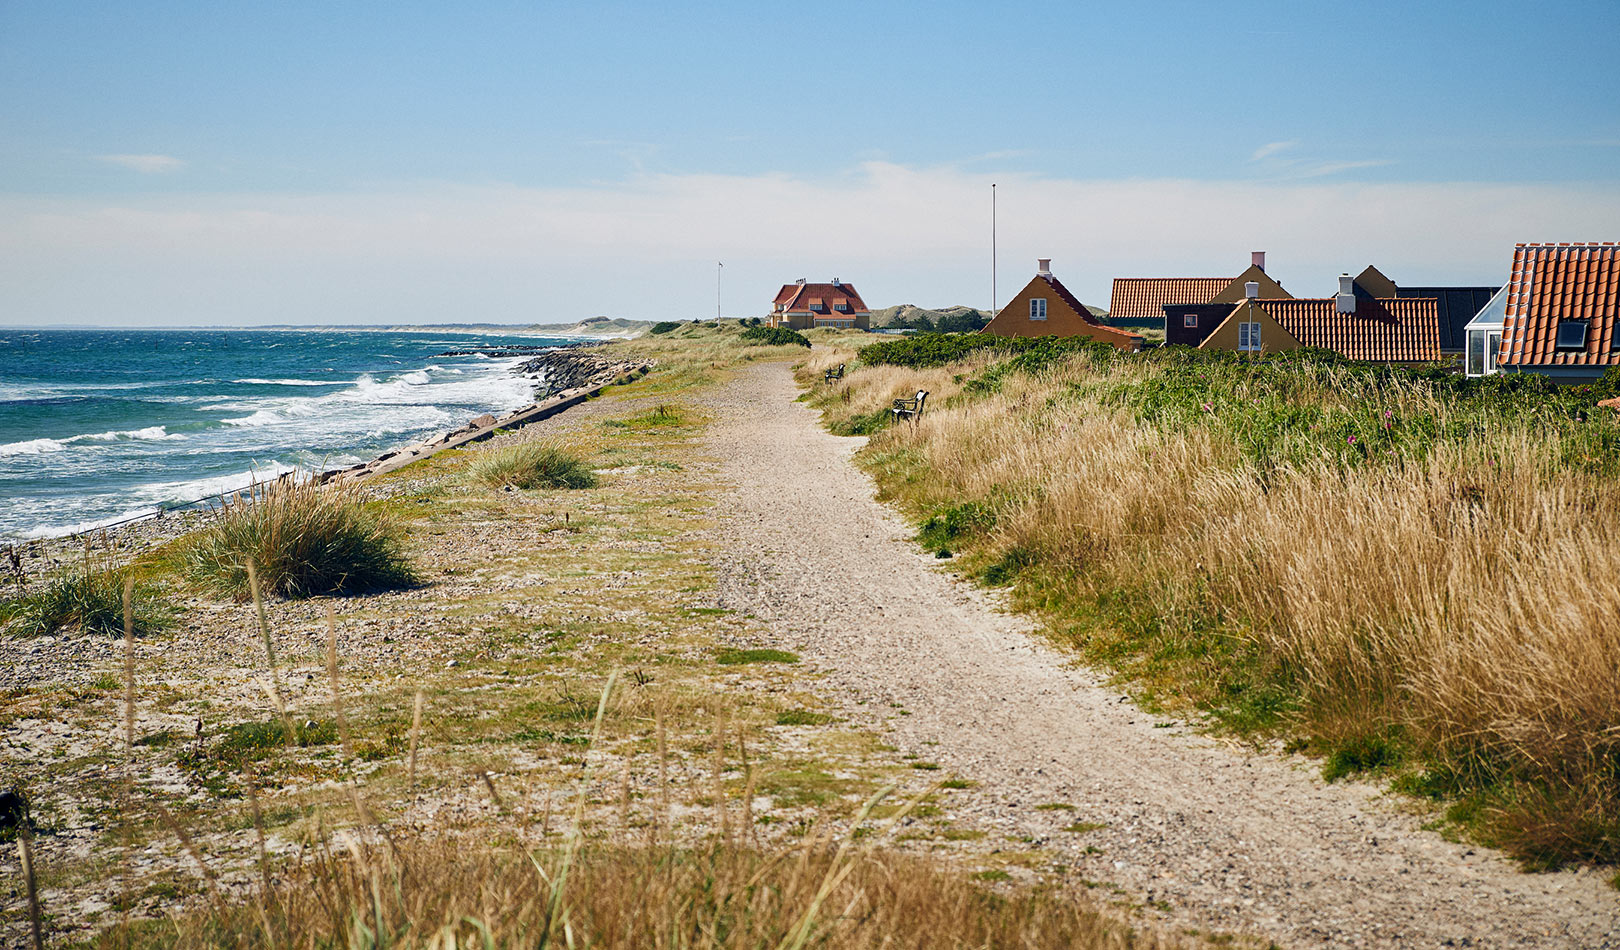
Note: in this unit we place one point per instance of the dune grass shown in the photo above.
(530, 465)
(1404, 572)
(89, 600)
(304, 539)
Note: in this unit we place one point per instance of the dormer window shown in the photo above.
(1572, 334)
(1037, 308)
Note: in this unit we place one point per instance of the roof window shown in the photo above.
(1572, 334)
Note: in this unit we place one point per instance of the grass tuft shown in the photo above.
(90, 601)
(530, 465)
(305, 541)
(735, 657)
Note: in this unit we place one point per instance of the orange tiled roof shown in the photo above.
(1384, 329)
(799, 297)
(1553, 282)
(1143, 297)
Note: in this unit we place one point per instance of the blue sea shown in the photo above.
(101, 425)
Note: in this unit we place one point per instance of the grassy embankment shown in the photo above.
(1408, 574)
(445, 760)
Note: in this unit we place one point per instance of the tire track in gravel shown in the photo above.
(1229, 840)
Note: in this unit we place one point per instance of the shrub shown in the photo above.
(775, 336)
(664, 326)
(90, 601)
(531, 465)
(304, 540)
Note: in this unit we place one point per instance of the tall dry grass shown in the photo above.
(1451, 603)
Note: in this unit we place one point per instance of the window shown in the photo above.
(1190, 320)
(1572, 334)
(1037, 308)
(1476, 352)
(1249, 336)
(841, 307)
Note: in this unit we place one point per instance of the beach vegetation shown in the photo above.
(660, 416)
(731, 656)
(88, 600)
(775, 336)
(664, 326)
(303, 540)
(531, 465)
(1404, 571)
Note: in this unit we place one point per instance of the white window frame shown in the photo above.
(1189, 319)
(1037, 308)
(1249, 337)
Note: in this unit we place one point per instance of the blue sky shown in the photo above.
(232, 163)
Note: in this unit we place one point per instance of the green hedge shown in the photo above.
(775, 336)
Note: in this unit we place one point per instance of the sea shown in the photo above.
(99, 426)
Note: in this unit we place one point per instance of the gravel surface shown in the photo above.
(1216, 836)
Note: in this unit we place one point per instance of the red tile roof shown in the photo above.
(1384, 329)
(799, 297)
(1143, 297)
(1553, 282)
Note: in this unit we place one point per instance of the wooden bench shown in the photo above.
(910, 408)
(833, 374)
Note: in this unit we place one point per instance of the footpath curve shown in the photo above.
(1216, 837)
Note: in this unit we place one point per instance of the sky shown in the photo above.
(318, 163)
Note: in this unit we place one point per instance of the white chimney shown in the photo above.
(1251, 290)
(800, 281)
(1345, 302)
(1258, 259)
(1045, 268)
(837, 282)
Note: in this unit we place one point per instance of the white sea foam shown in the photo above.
(57, 531)
(251, 381)
(32, 447)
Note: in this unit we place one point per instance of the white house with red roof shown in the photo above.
(806, 306)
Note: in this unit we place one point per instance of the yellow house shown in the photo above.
(1046, 308)
(1376, 330)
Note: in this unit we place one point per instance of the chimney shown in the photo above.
(800, 282)
(837, 282)
(1258, 259)
(1045, 267)
(1345, 302)
(1251, 290)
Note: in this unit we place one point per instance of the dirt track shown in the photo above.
(1225, 839)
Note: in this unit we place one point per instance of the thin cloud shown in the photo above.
(1271, 148)
(145, 164)
(1318, 169)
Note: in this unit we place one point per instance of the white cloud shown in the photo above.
(646, 246)
(145, 164)
(1271, 148)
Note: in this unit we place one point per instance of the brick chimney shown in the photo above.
(1258, 259)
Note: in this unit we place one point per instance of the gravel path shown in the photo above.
(1214, 837)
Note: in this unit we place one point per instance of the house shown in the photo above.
(1454, 305)
(802, 306)
(1372, 329)
(1046, 308)
(1559, 315)
(1187, 307)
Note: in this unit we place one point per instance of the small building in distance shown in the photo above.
(1559, 315)
(804, 306)
(1046, 308)
(1374, 330)
(1188, 308)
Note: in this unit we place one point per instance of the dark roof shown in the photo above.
(1457, 306)
(1145, 297)
(1387, 329)
(1084, 311)
(1554, 282)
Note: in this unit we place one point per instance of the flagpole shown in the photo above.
(992, 249)
(718, 268)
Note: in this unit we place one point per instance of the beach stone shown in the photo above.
(484, 420)
(13, 810)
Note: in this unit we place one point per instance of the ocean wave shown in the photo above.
(56, 531)
(32, 447)
(46, 446)
(251, 381)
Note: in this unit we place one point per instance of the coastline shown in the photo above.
(564, 378)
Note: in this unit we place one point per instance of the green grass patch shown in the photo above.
(802, 717)
(90, 601)
(735, 657)
(1082, 827)
(775, 336)
(661, 416)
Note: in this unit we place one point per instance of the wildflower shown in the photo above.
(1352, 440)
(1209, 407)
(1388, 413)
